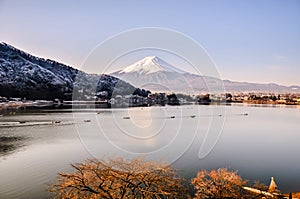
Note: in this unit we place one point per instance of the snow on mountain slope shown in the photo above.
(24, 75)
(157, 75)
(149, 65)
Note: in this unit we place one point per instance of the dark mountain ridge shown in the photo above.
(27, 76)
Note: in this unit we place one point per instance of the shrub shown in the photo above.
(118, 178)
(220, 183)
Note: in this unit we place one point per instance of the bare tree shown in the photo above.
(220, 183)
(118, 178)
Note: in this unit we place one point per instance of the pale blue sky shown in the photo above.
(255, 41)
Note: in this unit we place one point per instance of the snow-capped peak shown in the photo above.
(150, 64)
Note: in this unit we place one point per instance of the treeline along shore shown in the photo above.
(149, 99)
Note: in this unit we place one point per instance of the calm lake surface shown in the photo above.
(260, 142)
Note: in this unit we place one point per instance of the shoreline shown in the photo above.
(33, 107)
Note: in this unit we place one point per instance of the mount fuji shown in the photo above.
(155, 74)
(149, 65)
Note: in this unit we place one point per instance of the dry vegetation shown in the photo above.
(296, 195)
(118, 178)
(218, 184)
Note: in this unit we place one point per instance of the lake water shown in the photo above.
(260, 142)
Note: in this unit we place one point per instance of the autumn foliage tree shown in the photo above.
(118, 178)
(217, 184)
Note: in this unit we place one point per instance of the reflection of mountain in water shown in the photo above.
(9, 144)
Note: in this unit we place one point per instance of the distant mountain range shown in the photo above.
(155, 74)
(27, 76)
(23, 75)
